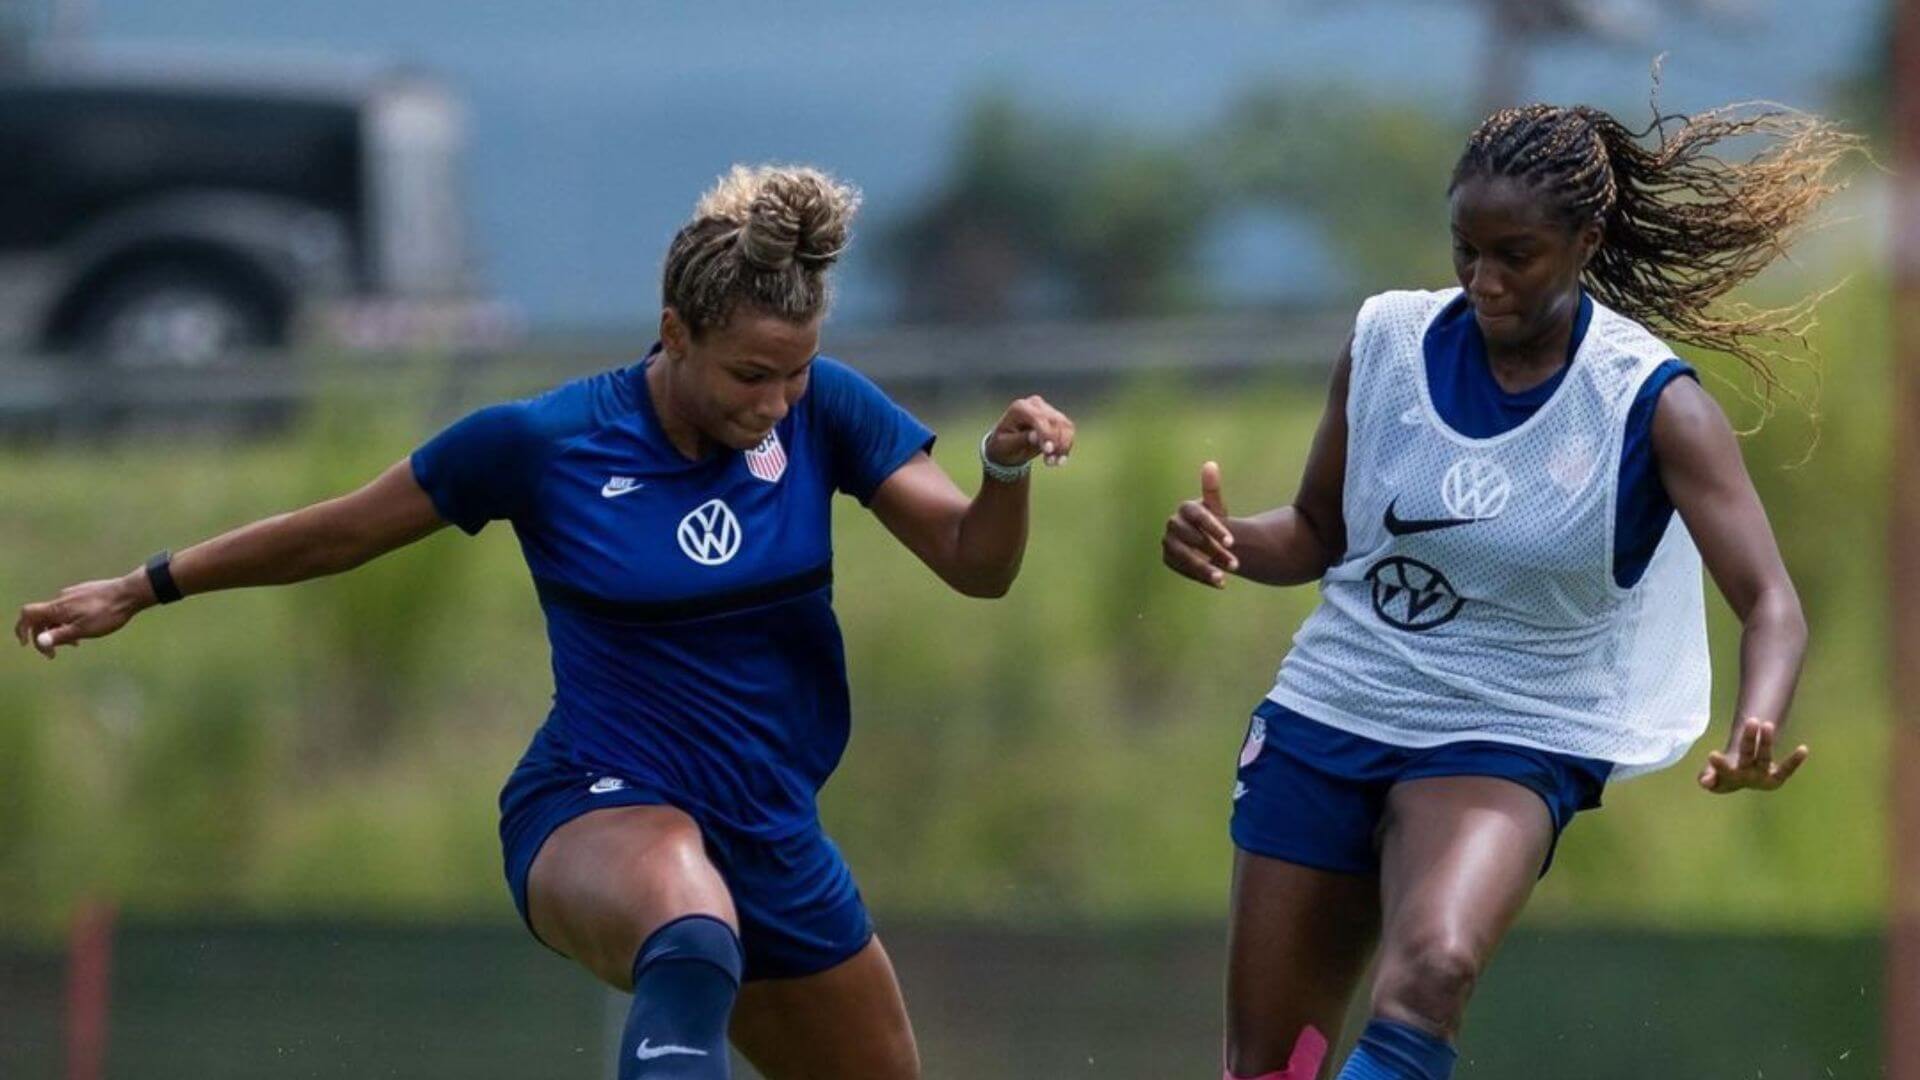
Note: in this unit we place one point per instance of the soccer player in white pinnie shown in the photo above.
(1506, 504)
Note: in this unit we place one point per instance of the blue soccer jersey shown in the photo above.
(688, 603)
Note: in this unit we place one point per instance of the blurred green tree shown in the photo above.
(1049, 216)
(1042, 215)
(1371, 174)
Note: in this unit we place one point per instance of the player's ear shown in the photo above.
(674, 334)
(1589, 239)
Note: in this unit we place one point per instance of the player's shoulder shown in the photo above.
(572, 409)
(1624, 358)
(1689, 431)
(1415, 300)
(835, 375)
(1684, 406)
(1628, 337)
(837, 385)
(1391, 326)
(1406, 311)
(1428, 298)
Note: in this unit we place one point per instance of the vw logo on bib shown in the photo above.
(1412, 595)
(1476, 489)
(710, 535)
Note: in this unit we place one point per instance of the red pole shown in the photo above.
(89, 975)
(1903, 555)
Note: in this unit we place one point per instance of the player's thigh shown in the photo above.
(849, 1020)
(607, 879)
(1459, 858)
(1299, 941)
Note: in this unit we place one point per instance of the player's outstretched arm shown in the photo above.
(1288, 545)
(976, 544)
(1700, 466)
(311, 542)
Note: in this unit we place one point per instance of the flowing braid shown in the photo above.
(1680, 226)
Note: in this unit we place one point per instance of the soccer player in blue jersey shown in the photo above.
(661, 829)
(1507, 504)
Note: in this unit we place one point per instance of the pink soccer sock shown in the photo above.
(1309, 1050)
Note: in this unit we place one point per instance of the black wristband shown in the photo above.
(160, 576)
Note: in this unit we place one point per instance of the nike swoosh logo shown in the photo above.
(611, 492)
(648, 1053)
(1399, 526)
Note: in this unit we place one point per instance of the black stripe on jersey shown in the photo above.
(692, 607)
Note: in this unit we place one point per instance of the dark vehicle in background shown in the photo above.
(167, 215)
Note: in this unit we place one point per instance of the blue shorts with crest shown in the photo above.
(800, 912)
(1314, 795)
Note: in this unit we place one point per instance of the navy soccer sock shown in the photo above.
(1393, 1051)
(684, 982)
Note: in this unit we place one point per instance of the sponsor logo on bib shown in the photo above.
(1476, 489)
(1412, 595)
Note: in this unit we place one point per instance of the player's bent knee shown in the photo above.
(596, 894)
(1428, 985)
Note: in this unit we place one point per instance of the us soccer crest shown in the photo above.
(768, 461)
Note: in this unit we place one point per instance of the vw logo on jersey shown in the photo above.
(1412, 595)
(1476, 489)
(710, 534)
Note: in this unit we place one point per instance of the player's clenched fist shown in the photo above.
(1030, 428)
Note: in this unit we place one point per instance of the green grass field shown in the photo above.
(239, 1000)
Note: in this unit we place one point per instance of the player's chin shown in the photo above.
(740, 436)
(1505, 329)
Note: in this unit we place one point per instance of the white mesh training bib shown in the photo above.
(1476, 598)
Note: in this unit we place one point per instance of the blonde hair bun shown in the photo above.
(785, 214)
(763, 236)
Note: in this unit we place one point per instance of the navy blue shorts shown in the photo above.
(1313, 795)
(800, 912)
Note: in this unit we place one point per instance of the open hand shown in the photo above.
(1747, 762)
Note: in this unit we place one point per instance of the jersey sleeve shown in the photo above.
(868, 436)
(1642, 505)
(483, 468)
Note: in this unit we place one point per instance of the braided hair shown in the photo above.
(1680, 227)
